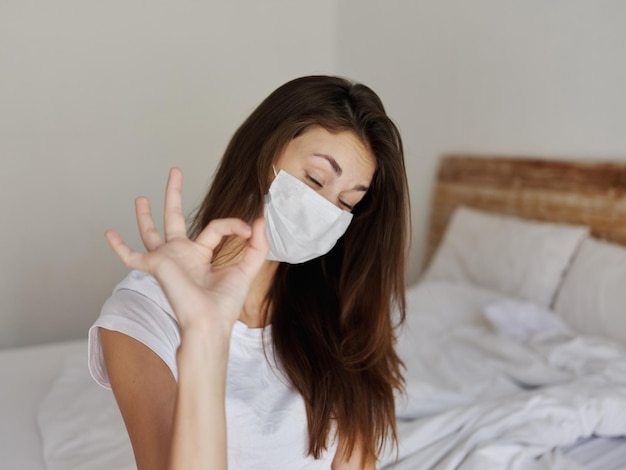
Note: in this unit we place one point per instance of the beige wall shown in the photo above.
(531, 77)
(99, 99)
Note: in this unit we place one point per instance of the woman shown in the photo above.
(297, 306)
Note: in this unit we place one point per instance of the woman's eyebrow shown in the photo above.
(333, 163)
(338, 171)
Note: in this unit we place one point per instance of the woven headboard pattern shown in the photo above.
(587, 193)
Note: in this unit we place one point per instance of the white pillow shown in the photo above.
(521, 320)
(80, 424)
(517, 257)
(592, 298)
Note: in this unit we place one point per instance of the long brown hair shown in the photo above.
(332, 317)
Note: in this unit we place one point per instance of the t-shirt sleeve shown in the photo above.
(132, 313)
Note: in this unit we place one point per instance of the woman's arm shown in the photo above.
(199, 438)
(207, 302)
(145, 391)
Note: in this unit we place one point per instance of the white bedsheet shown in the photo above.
(27, 374)
(481, 397)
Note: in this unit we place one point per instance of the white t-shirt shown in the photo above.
(266, 418)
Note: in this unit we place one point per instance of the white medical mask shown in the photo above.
(301, 224)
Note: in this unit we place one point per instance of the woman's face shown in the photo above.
(335, 164)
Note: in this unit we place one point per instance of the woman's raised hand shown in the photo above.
(202, 296)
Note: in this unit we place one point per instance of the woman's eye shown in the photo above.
(314, 181)
(346, 205)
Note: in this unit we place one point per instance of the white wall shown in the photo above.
(531, 77)
(97, 101)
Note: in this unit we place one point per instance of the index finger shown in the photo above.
(217, 229)
(257, 250)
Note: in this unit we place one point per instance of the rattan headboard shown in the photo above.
(588, 193)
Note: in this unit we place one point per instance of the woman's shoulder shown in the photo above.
(139, 287)
(138, 309)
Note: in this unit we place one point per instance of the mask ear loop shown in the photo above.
(274, 168)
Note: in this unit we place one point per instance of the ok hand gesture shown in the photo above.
(201, 295)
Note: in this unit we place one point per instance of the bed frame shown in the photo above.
(587, 193)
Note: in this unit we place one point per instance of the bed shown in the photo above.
(514, 345)
(53, 417)
(27, 376)
(515, 340)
